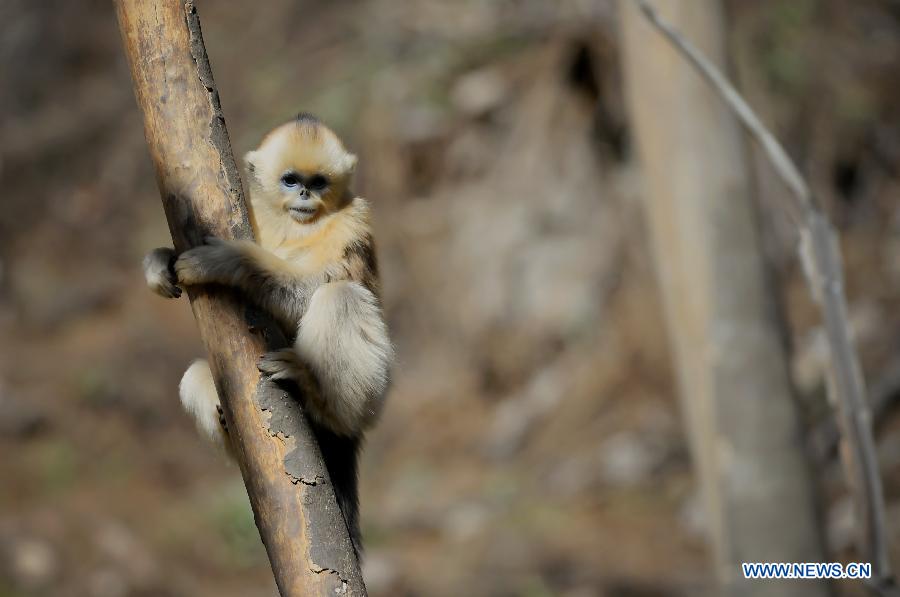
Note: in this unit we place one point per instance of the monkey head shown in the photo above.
(301, 169)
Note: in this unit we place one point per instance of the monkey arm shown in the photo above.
(276, 285)
(281, 287)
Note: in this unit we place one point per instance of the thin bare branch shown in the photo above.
(884, 396)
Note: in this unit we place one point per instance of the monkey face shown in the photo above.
(305, 194)
(302, 170)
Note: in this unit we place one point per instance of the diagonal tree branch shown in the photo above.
(293, 502)
(821, 258)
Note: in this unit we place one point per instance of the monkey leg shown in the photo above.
(343, 339)
(199, 398)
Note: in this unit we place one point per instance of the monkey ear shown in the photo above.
(349, 163)
(250, 163)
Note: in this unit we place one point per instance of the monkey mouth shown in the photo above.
(302, 213)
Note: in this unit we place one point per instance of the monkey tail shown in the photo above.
(341, 455)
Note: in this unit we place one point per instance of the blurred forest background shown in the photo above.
(533, 442)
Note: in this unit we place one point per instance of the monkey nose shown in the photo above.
(304, 192)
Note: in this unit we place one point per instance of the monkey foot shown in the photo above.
(280, 364)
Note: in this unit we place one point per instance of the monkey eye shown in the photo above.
(317, 182)
(290, 179)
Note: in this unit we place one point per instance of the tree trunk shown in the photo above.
(293, 501)
(722, 321)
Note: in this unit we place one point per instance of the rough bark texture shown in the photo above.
(293, 501)
(723, 326)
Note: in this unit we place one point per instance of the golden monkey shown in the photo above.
(313, 268)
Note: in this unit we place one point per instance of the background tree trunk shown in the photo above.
(294, 505)
(722, 321)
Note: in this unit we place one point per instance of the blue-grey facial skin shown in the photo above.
(304, 193)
